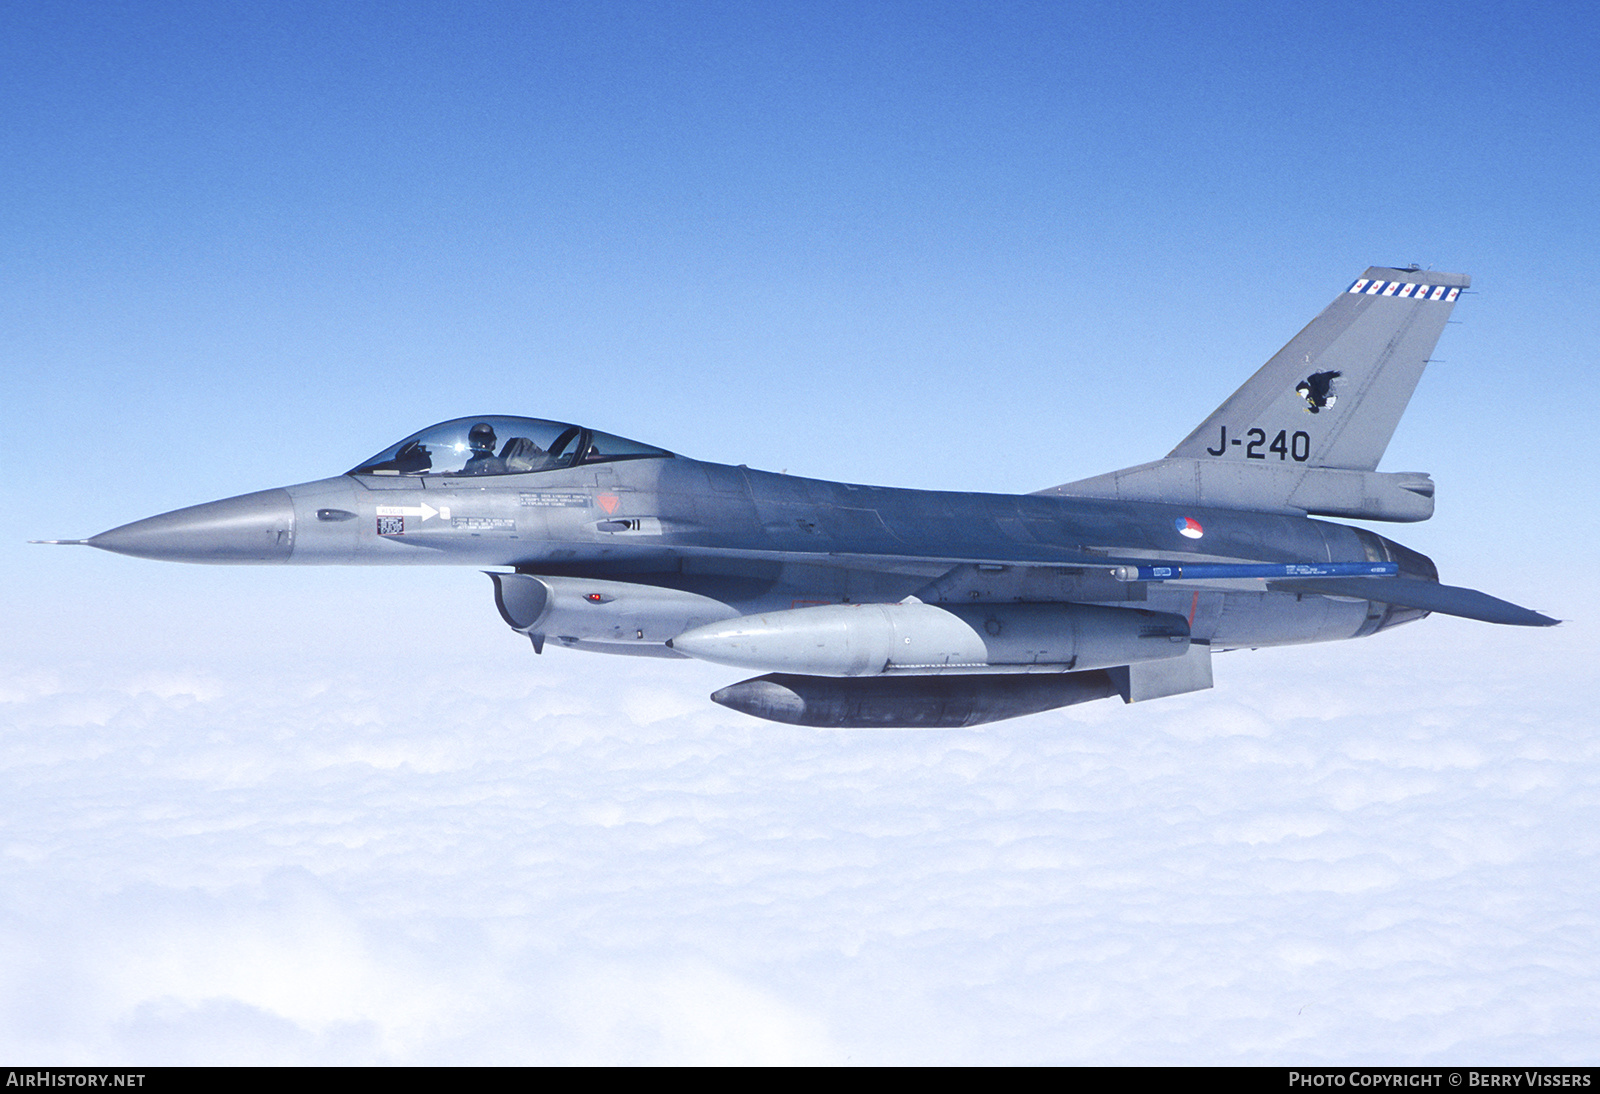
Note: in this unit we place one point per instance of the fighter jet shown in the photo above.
(870, 606)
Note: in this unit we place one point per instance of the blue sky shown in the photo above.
(1001, 232)
(984, 247)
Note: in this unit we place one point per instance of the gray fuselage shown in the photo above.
(758, 541)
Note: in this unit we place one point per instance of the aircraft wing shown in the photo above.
(1410, 593)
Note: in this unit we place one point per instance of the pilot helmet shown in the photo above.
(481, 437)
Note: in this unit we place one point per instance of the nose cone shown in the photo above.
(255, 527)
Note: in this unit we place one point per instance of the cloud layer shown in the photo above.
(1381, 851)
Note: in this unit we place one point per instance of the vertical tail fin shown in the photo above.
(1333, 396)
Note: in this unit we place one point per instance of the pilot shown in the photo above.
(483, 461)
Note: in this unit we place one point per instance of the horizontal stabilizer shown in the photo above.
(1425, 595)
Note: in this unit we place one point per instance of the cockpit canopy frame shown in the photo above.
(498, 444)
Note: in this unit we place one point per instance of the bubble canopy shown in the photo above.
(500, 445)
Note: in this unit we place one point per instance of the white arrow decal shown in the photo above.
(424, 511)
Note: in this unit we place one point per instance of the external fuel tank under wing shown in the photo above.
(872, 606)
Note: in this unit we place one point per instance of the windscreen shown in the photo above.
(499, 445)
